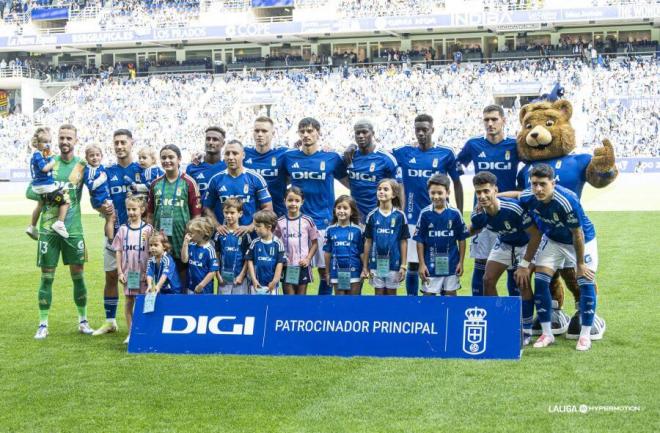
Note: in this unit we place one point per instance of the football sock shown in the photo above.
(45, 296)
(527, 315)
(110, 306)
(587, 301)
(80, 294)
(412, 279)
(511, 285)
(478, 279)
(543, 299)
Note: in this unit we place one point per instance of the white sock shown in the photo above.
(112, 321)
(82, 318)
(43, 323)
(585, 331)
(547, 328)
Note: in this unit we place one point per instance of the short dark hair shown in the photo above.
(494, 107)
(264, 119)
(217, 129)
(234, 141)
(125, 132)
(483, 178)
(542, 170)
(309, 121)
(173, 147)
(424, 118)
(266, 217)
(294, 190)
(233, 202)
(439, 179)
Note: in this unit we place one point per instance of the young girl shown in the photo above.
(96, 180)
(162, 275)
(232, 249)
(41, 169)
(299, 235)
(130, 245)
(266, 256)
(199, 254)
(386, 245)
(344, 245)
(150, 171)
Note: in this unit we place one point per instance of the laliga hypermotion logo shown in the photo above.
(474, 331)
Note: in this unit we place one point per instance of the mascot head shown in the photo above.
(546, 130)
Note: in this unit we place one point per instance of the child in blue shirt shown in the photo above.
(343, 248)
(162, 275)
(266, 256)
(96, 180)
(199, 254)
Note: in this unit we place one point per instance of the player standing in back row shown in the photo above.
(418, 164)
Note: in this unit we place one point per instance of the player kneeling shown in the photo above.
(515, 231)
(440, 236)
(569, 240)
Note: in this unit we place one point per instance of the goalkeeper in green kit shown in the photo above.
(68, 172)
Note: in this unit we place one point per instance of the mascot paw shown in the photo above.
(597, 329)
(603, 160)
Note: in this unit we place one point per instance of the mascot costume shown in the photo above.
(546, 136)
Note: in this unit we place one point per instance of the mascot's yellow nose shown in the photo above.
(539, 136)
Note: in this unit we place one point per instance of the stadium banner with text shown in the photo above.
(45, 14)
(348, 25)
(420, 327)
(4, 103)
(271, 3)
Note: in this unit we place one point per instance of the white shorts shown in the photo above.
(412, 245)
(555, 255)
(436, 285)
(482, 243)
(507, 254)
(389, 282)
(234, 289)
(318, 261)
(109, 257)
(45, 189)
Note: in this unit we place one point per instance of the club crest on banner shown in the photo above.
(474, 331)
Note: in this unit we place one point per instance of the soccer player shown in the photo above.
(119, 181)
(237, 182)
(202, 172)
(497, 154)
(418, 163)
(440, 241)
(68, 172)
(368, 167)
(515, 230)
(268, 161)
(314, 171)
(569, 240)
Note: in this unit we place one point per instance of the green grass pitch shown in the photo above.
(76, 383)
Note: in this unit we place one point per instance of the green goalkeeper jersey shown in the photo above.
(69, 176)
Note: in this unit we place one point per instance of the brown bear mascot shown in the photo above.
(546, 136)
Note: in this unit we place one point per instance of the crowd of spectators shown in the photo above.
(621, 103)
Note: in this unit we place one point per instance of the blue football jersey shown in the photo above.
(231, 250)
(37, 163)
(510, 222)
(96, 180)
(556, 218)
(417, 167)
(315, 174)
(440, 233)
(118, 182)
(364, 173)
(345, 245)
(501, 159)
(150, 174)
(265, 256)
(202, 173)
(386, 232)
(201, 261)
(270, 165)
(166, 267)
(570, 172)
(248, 186)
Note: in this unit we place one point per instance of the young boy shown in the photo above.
(231, 251)
(198, 252)
(440, 235)
(266, 256)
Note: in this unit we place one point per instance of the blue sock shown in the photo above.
(110, 306)
(412, 279)
(478, 279)
(511, 285)
(542, 297)
(587, 301)
(527, 315)
(324, 289)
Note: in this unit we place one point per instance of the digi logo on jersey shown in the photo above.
(484, 165)
(441, 233)
(416, 172)
(119, 189)
(267, 172)
(362, 176)
(314, 175)
(244, 198)
(217, 325)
